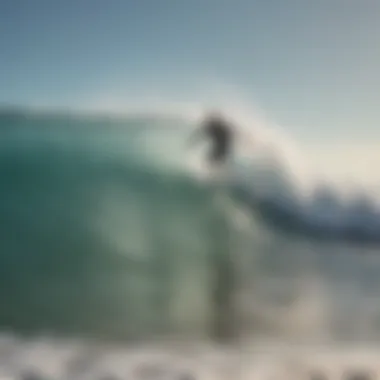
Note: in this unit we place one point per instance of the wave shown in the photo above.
(322, 214)
(276, 185)
(105, 229)
(273, 180)
(92, 234)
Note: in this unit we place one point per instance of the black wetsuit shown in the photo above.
(221, 137)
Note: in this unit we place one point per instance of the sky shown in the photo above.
(312, 66)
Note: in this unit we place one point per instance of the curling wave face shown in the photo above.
(105, 230)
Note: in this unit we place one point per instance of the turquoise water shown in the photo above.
(94, 239)
(104, 233)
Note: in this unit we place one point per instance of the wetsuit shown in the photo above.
(221, 137)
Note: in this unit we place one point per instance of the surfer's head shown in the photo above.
(213, 117)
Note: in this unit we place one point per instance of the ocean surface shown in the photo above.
(113, 235)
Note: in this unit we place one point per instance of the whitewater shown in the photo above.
(111, 232)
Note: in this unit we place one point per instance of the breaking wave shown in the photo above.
(107, 229)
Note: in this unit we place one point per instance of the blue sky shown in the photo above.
(313, 66)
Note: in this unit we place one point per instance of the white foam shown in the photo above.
(65, 359)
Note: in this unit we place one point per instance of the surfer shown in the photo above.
(220, 133)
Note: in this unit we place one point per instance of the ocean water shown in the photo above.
(112, 237)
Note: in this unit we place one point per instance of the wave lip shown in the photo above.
(322, 215)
